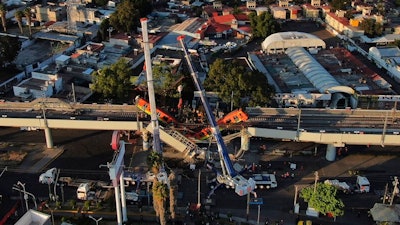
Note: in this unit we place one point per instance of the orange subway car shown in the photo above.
(235, 116)
(162, 116)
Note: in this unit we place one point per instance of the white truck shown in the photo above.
(362, 185)
(89, 191)
(343, 186)
(83, 192)
(265, 180)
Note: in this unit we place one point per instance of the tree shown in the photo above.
(154, 161)
(165, 79)
(9, 49)
(230, 78)
(173, 191)
(160, 195)
(263, 25)
(324, 199)
(127, 16)
(28, 15)
(100, 2)
(3, 12)
(269, 2)
(103, 30)
(159, 190)
(340, 4)
(395, 43)
(112, 81)
(18, 17)
(371, 28)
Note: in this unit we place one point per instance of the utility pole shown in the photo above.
(198, 189)
(315, 181)
(4, 170)
(298, 125)
(384, 131)
(395, 189)
(248, 207)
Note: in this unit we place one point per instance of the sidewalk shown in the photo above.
(36, 162)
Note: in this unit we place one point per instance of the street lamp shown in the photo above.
(97, 221)
(51, 212)
(25, 195)
(110, 30)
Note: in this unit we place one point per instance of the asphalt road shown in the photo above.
(86, 150)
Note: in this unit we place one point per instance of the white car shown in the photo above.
(48, 177)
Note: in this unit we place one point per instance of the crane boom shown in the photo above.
(162, 175)
(229, 176)
(150, 87)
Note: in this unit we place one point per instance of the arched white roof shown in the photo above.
(284, 40)
(315, 73)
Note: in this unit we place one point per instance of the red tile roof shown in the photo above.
(242, 17)
(75, 55)
(120, 36)
(309, 6)
(245, 28)
(226, 19)
(342, 20)
(217, 28)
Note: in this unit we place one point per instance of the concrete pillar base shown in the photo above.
(49, 138)
(330, 152)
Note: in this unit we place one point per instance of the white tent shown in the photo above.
(385, 213)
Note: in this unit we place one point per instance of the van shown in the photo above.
(363, 184)
(82, 193)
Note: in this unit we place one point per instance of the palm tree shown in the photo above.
(173, 190)
(18, 16)
(160, 195)
(28, 15)
(3, 13)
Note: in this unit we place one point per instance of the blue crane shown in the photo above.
(229, 176)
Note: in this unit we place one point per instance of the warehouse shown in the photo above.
(279, 42)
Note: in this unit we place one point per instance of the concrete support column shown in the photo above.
(244, 140)
(145, 137)
(49, 138)
(118, 203)
(330, 152)
(123, 198)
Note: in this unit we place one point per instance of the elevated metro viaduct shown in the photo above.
(332, 140)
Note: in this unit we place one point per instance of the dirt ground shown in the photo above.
(14, 153)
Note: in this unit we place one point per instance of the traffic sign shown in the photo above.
(256, 201)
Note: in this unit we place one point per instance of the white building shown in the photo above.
(388, 58)
(38, 86)
(279, 42)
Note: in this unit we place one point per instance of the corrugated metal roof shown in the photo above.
(315, 73)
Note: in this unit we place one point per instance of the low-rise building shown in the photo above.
(41, 84)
